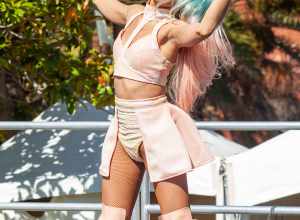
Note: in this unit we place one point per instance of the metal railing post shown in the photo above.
(145, 197)
(222, 172)
(136, 210)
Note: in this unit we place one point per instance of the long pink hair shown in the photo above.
(197, 66)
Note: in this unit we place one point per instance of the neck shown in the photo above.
(151, 2)
(152, 11)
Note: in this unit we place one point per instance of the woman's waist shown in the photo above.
(129, 104)
(133, 89)
(138, 92)
(137, 95)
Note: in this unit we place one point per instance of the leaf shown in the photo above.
(75, 71)
(102, 91)
(53, 55)
(109, 90)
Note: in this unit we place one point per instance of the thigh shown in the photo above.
(171, 193)
(121, 188)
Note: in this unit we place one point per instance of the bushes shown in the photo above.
(46, 54)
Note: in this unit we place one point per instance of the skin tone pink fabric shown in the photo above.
(170, 137)
(130, 58)
(120, 189)
(171, 40)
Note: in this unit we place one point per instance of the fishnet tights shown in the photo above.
(121, 188)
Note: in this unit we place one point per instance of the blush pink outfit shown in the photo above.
(172, 143)
(142, 60)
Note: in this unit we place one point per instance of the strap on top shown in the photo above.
(136, 30)
(141, 24)
(130, 20)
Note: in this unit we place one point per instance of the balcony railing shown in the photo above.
(143, 202)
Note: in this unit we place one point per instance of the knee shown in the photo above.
(114, 213)
(178, 214)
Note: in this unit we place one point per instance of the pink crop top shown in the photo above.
(143, 60)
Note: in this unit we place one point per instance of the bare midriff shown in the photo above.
(133, 89)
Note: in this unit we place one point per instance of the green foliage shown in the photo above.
(246, 47)
(253, 38)
(279, 12)
(45, 46)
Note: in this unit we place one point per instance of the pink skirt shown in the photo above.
(172, 143)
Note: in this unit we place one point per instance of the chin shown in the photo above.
(166, 5)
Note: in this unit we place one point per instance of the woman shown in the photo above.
(148, 132)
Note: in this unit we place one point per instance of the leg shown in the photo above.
(172, 196)
(173, 199)
(120, 189)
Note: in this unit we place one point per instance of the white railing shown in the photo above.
(154, 208)
(143, 201)
(207, 125)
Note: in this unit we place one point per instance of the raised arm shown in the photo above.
(184, 34)
(114, 10)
